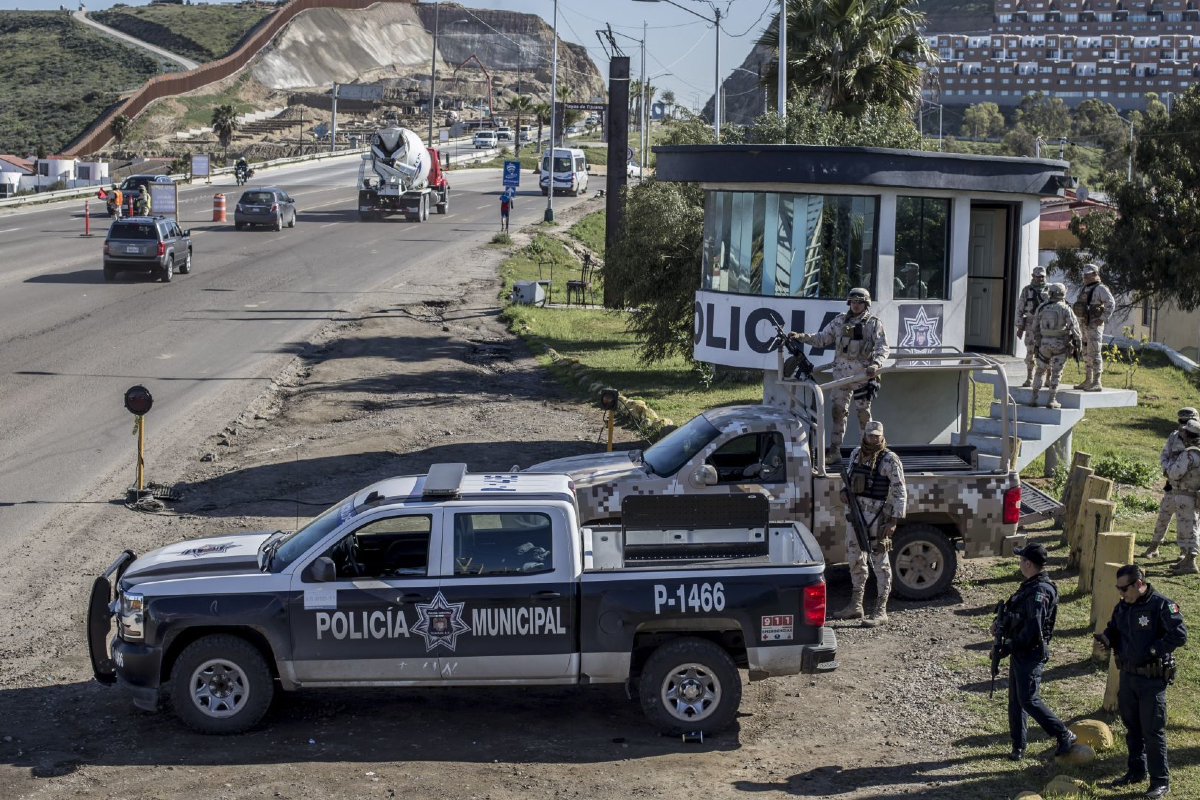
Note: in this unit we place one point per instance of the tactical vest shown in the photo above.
(1052, 325)
(1190, 482)
(852, 337)
(868, 482)
(1032, 298)
(1082, 307)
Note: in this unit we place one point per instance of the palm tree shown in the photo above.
(522, 104)
(852, 54)
(541, 112)
(121, 125)
(224, 123)
(668, 98)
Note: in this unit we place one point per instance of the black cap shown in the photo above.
(1035, 552)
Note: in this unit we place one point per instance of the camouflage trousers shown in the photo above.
(839, 400)
(1093, 341)
(1185, 522)
(1050, 362)
(1030, 358)
(878, 557)
(1166, 510)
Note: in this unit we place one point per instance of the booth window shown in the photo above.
(922, 248)
(789, 245)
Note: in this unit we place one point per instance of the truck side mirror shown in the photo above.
(705, 475)
(323, 570)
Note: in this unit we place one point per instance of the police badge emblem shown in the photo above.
(440, 623)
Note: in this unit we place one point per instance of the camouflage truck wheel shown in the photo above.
(923, 562)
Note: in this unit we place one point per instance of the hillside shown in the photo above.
(199, 32)
(51, 79)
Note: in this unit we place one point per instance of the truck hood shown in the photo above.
(232, 554)
(593, 468)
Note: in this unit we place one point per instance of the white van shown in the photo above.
(570, 171)
(484, 139)
(526, 133)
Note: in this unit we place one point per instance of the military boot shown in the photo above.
(1052, 398)
(1033, 393)
(1094, 386)
(1186, 565)
(1083, 384)
(878, 614)
(833, 454)
(853, 609)
(1028, 378)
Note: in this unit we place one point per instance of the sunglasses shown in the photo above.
(1121, 588)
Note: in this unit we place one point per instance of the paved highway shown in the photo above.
(207, 343)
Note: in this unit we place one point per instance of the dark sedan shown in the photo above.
(271, 207)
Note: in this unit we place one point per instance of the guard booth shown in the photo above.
(944, 243)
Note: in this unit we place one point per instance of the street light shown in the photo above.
(433, 67)
(782, 99)
(549, 217)
(715, 20)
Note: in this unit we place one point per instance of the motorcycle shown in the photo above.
(243, 174)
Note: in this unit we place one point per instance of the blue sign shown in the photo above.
(512, 173)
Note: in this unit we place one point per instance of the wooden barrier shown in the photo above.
(1080, 471)
(1104, 599)
(1093, 489)
(1097, 519)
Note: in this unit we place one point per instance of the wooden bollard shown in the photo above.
(1074, 491)
(1104, 599)
(1097, 519)
(1093, 489)
(1114, 547)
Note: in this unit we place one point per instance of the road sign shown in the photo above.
(355, 91)
(199, 165)
(512, 173)
(630, 155)
(164, 199)
(443, 135)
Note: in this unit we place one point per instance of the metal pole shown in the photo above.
(611, 413)
(644, 137)
(549, 217)
(1129, 165)
(782, 99)
(433, 69)
(717, 75)
(332, 126)
(939, 127)
(141, 465)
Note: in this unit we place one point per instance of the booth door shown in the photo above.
(987, 285)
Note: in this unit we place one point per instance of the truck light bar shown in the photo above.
(444, 480)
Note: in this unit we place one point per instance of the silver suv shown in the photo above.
(147, 244)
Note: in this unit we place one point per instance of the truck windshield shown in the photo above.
(297, 544)
(670, 453)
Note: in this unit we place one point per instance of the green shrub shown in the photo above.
(1123, 469)
(502, 238)
(1135, 503)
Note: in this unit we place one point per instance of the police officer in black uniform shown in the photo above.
(1027, 625)
(1144, 631)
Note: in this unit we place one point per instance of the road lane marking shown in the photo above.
(10, 230)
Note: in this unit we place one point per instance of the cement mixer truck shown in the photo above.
(400, 175)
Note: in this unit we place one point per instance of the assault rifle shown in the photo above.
(797, 365)
(998, 649)
(857, 520)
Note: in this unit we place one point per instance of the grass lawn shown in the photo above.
(199, 32)
(56, 76)
(1074, 686)
(590, 231)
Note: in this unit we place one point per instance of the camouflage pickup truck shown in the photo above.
(954, 507)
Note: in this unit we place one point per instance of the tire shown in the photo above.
(238, 225)
(110, 274)
(168, 272)
(444, 206)
(186, 269)
(292, 221)
(924, 562)
(545, 192)
(220, 684)
(278, 226)
(686, 664)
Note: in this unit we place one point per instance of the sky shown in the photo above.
(680, 49)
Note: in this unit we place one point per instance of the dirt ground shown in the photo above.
(396, 389)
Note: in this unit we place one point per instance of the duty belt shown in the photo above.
(1163, 668)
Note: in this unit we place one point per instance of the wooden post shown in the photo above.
(1079, 475)
(1093, 489)
(1097, 519)
(1104, 599)
(1080, 459)
(1114, 547)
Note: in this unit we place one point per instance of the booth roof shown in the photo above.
(859, 166)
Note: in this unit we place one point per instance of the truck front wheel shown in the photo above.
(690, 685)
(923, 562)
(221, 684)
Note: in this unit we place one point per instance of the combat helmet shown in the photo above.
(1187, 413)
(1039, 272)
(1191, 429)
(859, 293)
(1056, 291)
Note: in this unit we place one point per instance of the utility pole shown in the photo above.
(644, 137)
(782, 99)
(549, 217)
(717, 93)
(332, 124)
(433, 70)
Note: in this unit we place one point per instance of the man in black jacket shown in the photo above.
(1029, 617)
(1144, 630)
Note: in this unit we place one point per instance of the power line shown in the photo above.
(770, 4)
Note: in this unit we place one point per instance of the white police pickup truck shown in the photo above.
(455, 579)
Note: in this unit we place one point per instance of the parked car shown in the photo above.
(484, 139)
(147, 244)
(504, 134)
(271, 207)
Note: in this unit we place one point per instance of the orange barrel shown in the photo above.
(218, 208)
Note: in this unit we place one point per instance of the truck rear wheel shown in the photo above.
(690, 685)
(221, 684)
(444, 206)
(923, 562)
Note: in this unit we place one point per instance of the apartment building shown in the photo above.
(1112, 50)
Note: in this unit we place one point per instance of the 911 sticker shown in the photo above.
(777, 628)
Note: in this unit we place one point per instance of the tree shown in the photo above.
(983, 119)
(1043, 116)
(224, 123)
(853, 54)
(1020, 141)
(121, 126)
(668, 98)
(523, 106)
(541, 112)
(1151, 245)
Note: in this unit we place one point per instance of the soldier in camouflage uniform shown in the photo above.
(1166, 508)
(861, 347)
(1031, 299)
(1184, 473)
(1094, 306)
(1055, 337)
(877, 479)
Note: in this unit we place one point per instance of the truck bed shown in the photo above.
(918, 458)
(612, 547)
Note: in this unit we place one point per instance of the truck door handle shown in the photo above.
(545, 596)
(413, 597)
